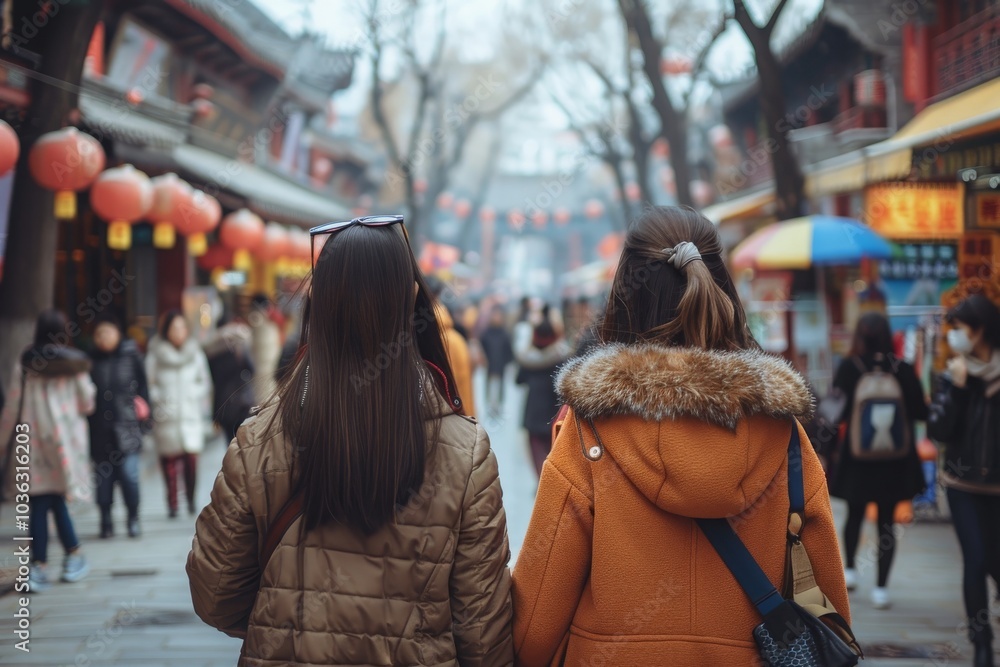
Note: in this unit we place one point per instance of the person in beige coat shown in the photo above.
(358, 518)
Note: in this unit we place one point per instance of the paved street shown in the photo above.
(134, 608)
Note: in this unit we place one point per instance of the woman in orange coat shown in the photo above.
(678, 416)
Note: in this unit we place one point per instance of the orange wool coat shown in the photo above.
(614, 570)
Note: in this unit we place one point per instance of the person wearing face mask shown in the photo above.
(965, 418)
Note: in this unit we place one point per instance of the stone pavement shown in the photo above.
(134, 609)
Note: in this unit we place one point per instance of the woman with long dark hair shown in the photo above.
(45, 423)
(966, 419)
(400, 554)
(888, 482)
(677, 416)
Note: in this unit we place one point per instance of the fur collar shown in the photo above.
(658, 383)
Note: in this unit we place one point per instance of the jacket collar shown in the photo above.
(54, 360)
(657, 383)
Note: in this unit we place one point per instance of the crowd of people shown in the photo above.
(89, 413)
(668, 447)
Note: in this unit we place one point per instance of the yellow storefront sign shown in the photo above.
(916, 210)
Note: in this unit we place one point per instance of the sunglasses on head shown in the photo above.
(366, 221)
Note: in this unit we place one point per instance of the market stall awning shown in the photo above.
(755, 203)
(812, 240)
(268, 193)
(976, 111)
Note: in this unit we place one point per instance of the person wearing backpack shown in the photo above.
(965, 418)
(878, 461)
(678, 417)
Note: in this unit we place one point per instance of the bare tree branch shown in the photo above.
(769, 28)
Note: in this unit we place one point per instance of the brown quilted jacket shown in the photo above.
(431, 589)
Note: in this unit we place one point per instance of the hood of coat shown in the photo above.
(168, 356)
(55, 360)
(234, 337)
(693, 429)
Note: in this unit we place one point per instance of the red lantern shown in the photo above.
(445, 200)
(420, 186)
(322, 167)
(593, 209)
(720, 137)
(633, 191)
(487, 214)
(204, 110)
(170, 196)
(661, 148)
(198, 216)
(365, 201)
(121, 196)
(561, 216)
(202, 91)
(539, 218)
(10, 148)
(243, 231)
(217, 256)
(463, 208)
(66, 161)
(300, 245)
(275, 244)
(516, 219)
(675, 65)
(701, 193)
(135, 96)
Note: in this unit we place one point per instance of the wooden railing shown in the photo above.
(968, 54)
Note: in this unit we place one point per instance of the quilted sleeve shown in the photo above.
(223, 567)
(480, 580)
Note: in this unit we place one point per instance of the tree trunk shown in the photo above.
(788, 180)
(30, 255)
(673, 121)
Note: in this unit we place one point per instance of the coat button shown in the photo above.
(595, 451)
(109, 415)
(108, 395)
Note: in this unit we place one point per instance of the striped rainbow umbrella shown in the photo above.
(812, 240)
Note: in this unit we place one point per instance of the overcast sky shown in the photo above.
(340, 22)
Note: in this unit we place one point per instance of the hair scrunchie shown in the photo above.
(682, 254)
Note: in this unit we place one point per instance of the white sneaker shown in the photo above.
(851, 578)
(38, 579)
(880, 598)
(75, 567)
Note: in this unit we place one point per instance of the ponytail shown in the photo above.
(706, 316)
(673, 288)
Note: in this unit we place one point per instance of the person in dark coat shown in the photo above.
(965, 418)
(496, 344)
(116, 425)
(232, 371)
(538, 366)
(885, 483)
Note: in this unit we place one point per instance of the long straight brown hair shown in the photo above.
(354, 404)
(652, 301)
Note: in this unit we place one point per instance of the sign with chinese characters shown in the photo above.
(978, 256)
(922, 211)
(988, 210)
(921, 261)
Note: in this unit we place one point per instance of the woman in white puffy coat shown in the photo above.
(180, 389)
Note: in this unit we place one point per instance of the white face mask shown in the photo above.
(959, 341)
